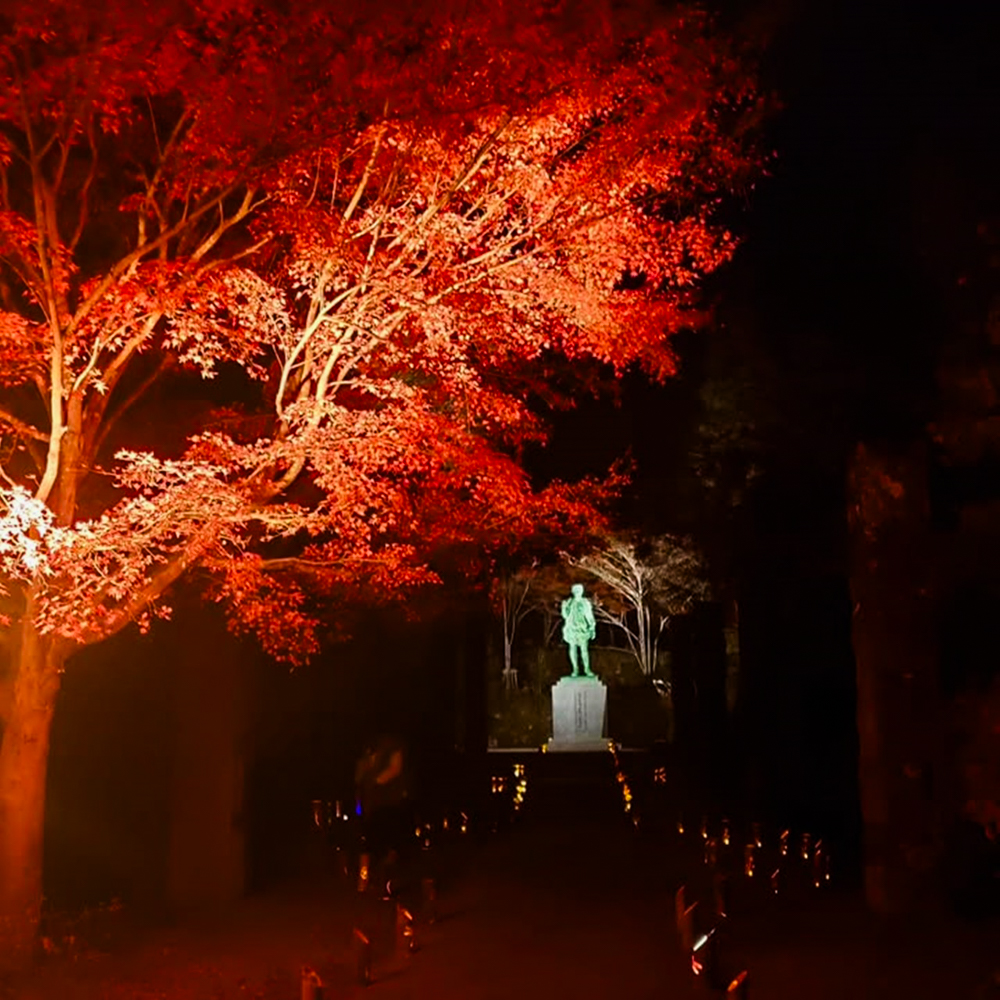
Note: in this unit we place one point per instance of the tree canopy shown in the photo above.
(375, 230)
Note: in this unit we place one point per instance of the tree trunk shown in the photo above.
(36, 666)
(207, 855)
(895, 651)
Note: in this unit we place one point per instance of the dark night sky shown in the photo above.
(888, 151)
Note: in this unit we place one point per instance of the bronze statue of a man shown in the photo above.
(579, 628)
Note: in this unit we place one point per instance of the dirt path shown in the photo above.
(549, 913)
(569, 902)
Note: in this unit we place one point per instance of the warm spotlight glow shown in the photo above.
(520, 791)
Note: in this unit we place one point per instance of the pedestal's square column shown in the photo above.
(579, 705)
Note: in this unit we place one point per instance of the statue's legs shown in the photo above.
(573, 659)
(585, 656)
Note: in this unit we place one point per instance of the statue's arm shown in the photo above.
(591, 622)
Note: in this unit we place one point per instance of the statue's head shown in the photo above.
(577, 590)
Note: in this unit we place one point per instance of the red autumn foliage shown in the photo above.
(369, 231)
(382, 216)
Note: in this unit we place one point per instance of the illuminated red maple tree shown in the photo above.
(376, 229)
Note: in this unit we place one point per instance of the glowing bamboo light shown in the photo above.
(363, 946)
(519, 793)
(703, 956)
(312, 985)
(711, 852)
(821, 865)
(680, 905)
(406, 934)
(685, 925)
(627, 796)
(739, 988)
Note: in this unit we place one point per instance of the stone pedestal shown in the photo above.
(579, 705)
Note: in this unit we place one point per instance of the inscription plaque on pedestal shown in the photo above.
(579, 705)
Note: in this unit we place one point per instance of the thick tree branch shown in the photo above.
(247, 206)
(84, 195)
(305, 337)
(25, 429)
(117, 367)
(299, 564)
(365, 176)
(57, 429)
(157, 584)
(122, 266)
